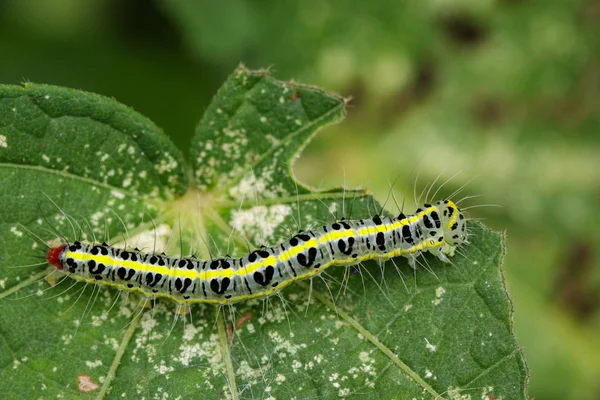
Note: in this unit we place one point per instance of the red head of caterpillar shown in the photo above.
(53, 256)
(436, 228)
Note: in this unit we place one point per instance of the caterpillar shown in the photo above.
(435, 228)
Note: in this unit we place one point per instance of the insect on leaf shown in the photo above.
(77, 166)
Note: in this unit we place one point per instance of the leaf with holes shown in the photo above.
(75, 165)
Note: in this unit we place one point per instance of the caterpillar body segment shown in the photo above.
(436, 228)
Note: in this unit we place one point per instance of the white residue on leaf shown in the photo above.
(456, 393)
(296, 365)
(111, 342)
(366, 368)
(283, 346)
(162, 369)
(205, 350)
(16, 232)
(249, 374)
(486, 394)
(439, 292)
(167, 164)
(127, 182)
(190, 331)
(259, 223)
(231, 150)
(148, 323)
(333, 207)
(272, 140)
(249, 188)
(98, 320)
(66, 339)
(363, 356)
(117, 194)
(3, 141)
(430, 346)
(93, 364)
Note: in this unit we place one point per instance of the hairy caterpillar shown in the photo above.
(436, 228)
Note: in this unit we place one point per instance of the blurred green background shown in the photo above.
(507, 91)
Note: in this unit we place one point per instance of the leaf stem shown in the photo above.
(226, 355)
(112, 373)
(27, 282)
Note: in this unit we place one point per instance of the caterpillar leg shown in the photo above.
(443, 252)
(412, 261)
(439, 253)
(447, 249)
(443, 257)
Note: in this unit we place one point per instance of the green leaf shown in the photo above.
(442, 331)
(252, 129)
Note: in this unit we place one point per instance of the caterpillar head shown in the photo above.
(53, 256)
(453, 223)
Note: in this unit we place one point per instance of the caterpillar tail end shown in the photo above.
(53, 256)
